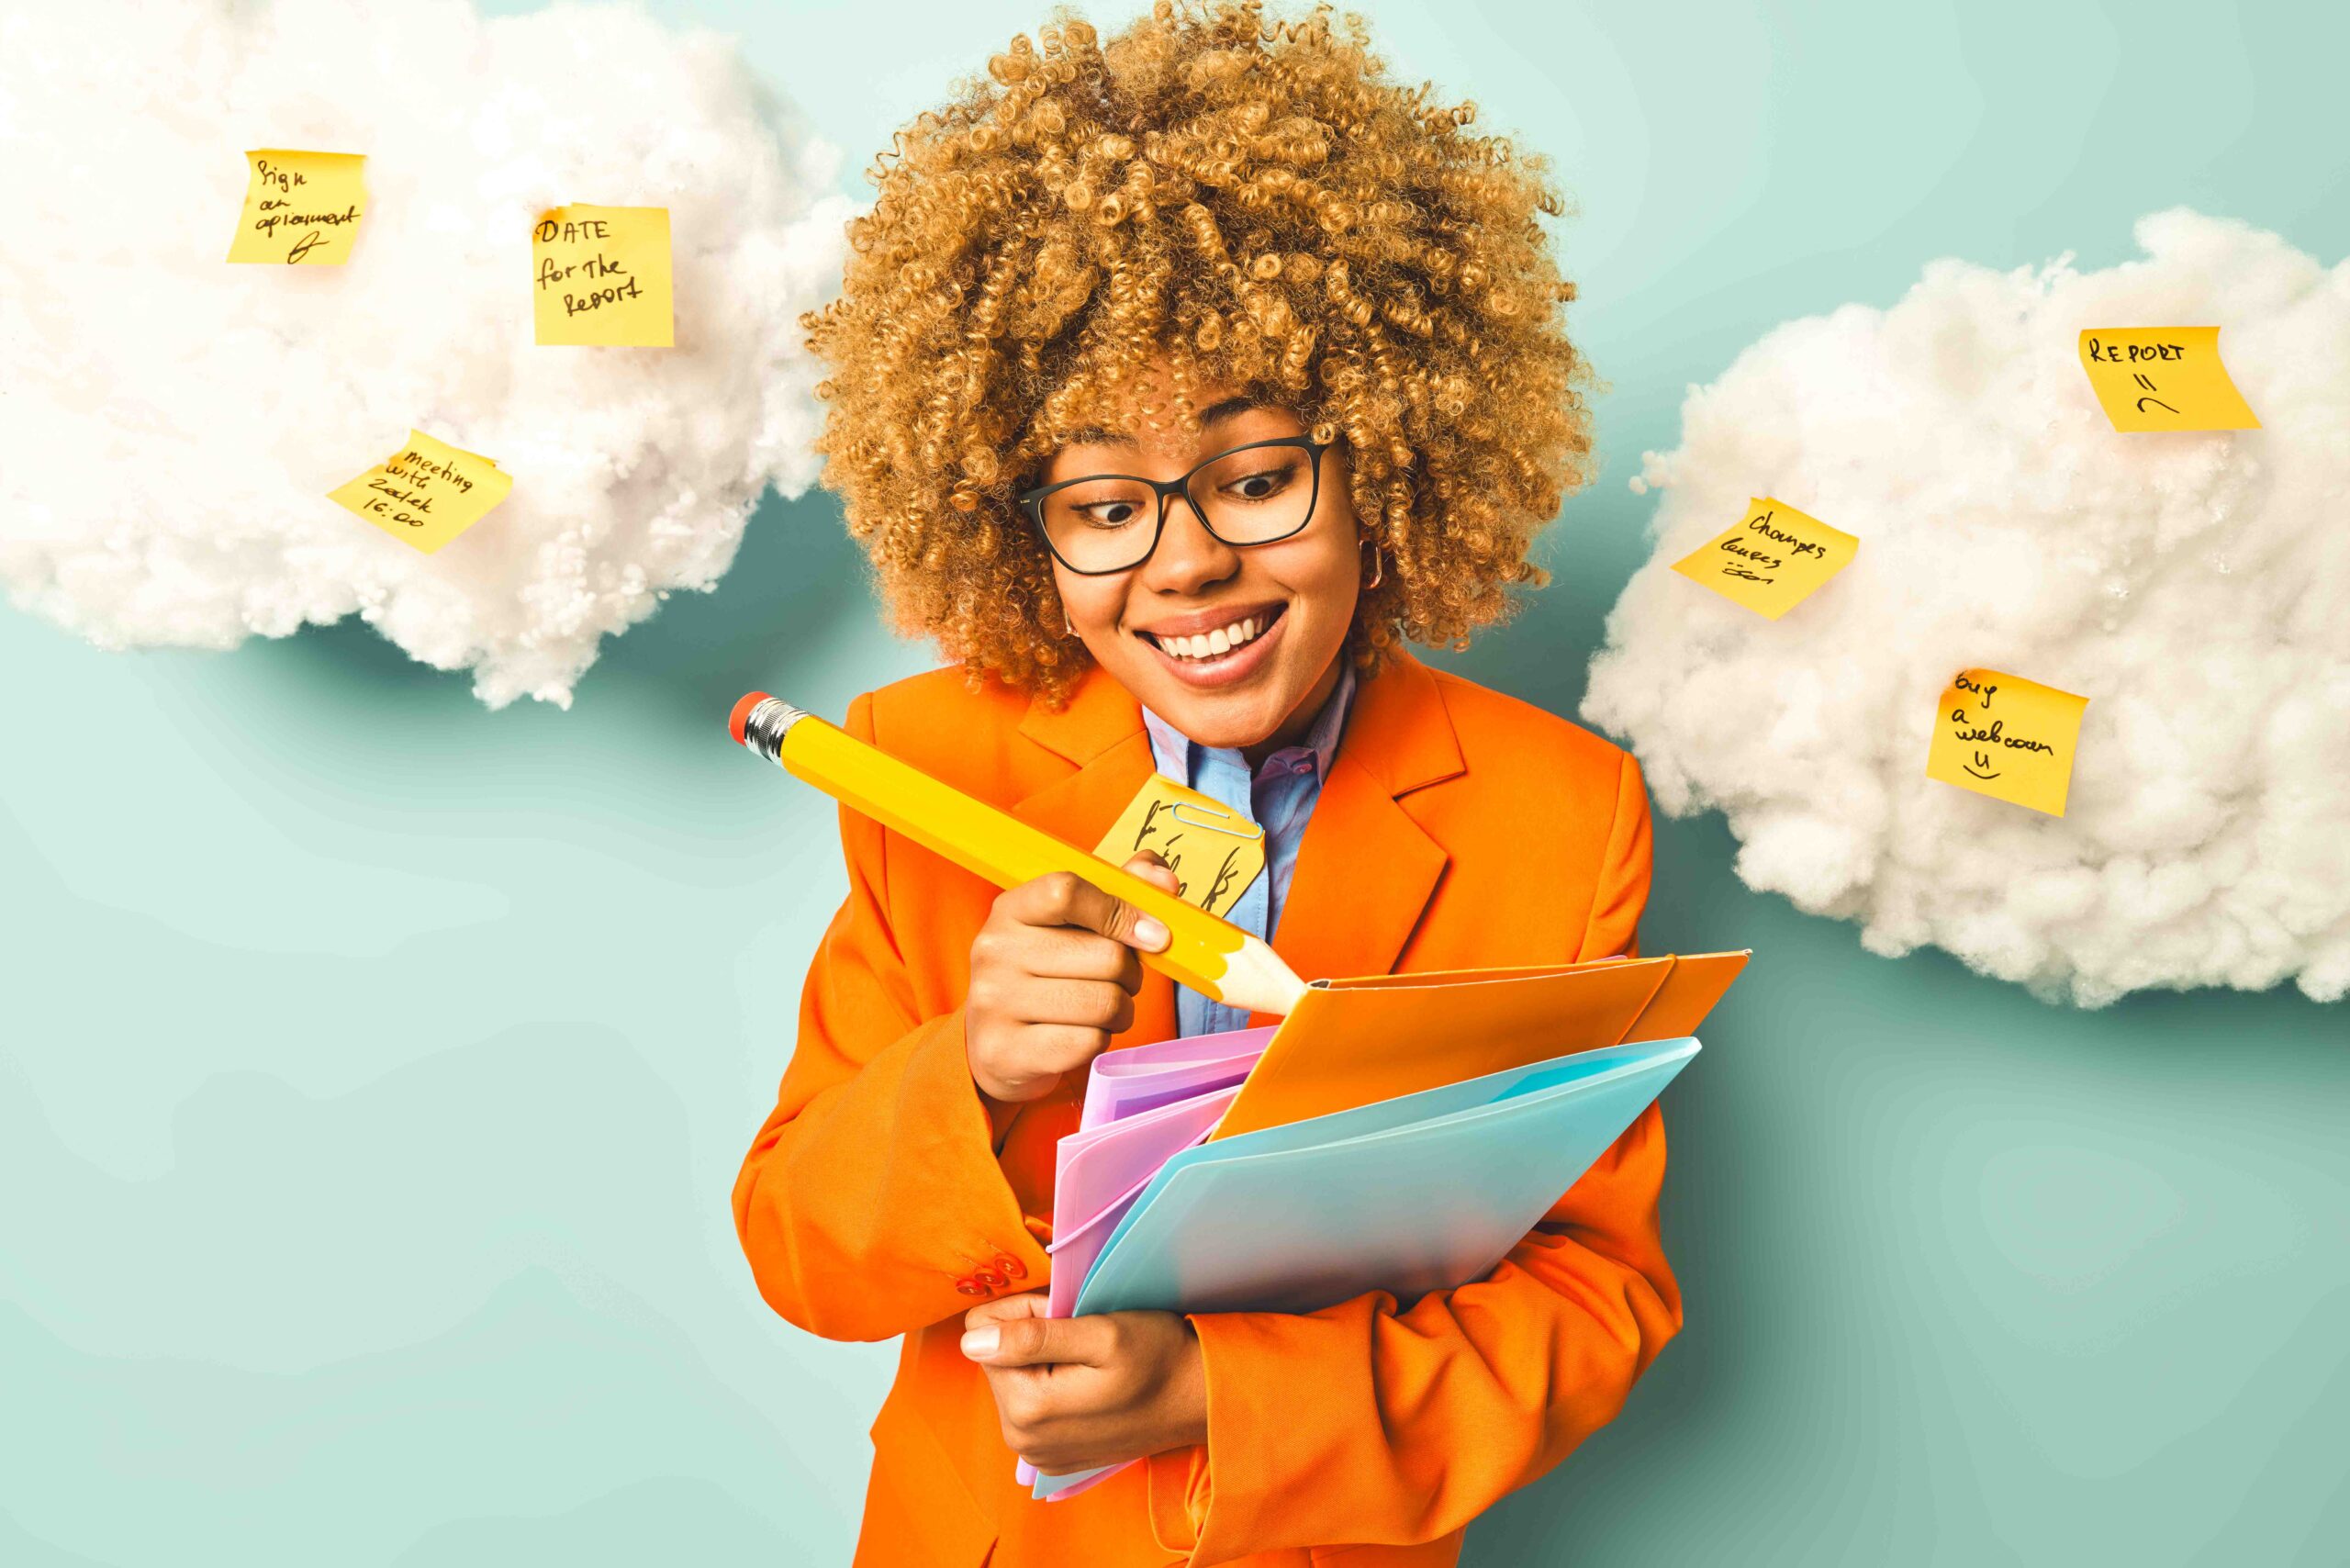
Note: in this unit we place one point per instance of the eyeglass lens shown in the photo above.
(1250, 497)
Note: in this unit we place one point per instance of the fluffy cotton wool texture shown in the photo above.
(2193, 586)
(173, 423)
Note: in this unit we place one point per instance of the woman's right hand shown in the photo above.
(1054, 973)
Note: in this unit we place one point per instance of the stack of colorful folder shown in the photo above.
(1398, 1133)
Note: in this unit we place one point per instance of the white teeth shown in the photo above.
(1222, 641)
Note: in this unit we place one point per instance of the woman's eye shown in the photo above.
(1261, 486)
(1109, 514)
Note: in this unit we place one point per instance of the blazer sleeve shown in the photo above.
(872, 1194)
(1364, 1423)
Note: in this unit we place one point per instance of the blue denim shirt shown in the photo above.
(1279, 800)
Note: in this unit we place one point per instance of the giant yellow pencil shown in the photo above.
(1213, 957)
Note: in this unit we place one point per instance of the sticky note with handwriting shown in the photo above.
(2163, 378)
(1215, 852)
(2002, 735)
(301, 208)
(600, 275)
(427, 493)
(1773, 561)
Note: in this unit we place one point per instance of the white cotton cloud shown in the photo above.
(172, 423)
(2194, 586)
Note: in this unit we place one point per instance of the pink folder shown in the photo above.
(1100, 1172)
(1143, 1078)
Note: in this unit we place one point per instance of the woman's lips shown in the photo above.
(1221, 669)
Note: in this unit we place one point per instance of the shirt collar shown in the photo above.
(1177, 752)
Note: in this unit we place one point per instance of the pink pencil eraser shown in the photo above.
(742, 714)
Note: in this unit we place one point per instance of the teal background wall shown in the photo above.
(372, 1068)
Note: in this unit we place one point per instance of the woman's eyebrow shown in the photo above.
(1227, 408)
(1094, 436)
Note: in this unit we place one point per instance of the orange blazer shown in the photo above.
(1458, 828)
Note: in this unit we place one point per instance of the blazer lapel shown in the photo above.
(1365, 870)
(1099, 735)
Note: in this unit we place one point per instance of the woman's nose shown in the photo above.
(1189, 557)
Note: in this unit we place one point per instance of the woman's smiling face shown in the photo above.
(1282, 610)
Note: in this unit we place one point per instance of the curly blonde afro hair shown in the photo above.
(1253, 203)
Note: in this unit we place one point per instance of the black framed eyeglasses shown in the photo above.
(1111, 522)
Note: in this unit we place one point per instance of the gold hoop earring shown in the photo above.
(1067, 624)
(1379, 565)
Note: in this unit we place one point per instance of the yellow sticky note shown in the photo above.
(1773, 561)
(301, 208)
(2002, 735)
(427, 493)
(601, 275)
(1215, 851)
(2163, 378)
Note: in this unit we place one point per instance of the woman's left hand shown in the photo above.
(1076, 1392)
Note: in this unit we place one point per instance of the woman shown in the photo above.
(1176, 382)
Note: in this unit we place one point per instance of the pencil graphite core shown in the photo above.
(1211, 956)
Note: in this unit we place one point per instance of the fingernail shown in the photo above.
(1150, 932)
(981, 1343)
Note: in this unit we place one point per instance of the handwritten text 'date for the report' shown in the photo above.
(2001, 735)
(600, 276)
(427, 493)
(301, 208)
(1215, 851)
(1772, 560)
(2163, 378)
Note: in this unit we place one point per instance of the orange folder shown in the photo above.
(1355, 1042)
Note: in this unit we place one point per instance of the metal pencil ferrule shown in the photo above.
(763, 726)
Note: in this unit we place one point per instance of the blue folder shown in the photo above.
(1420, 1193)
